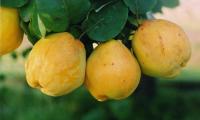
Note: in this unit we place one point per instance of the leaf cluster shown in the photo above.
(91, 21)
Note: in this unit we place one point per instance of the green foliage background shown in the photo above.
(165, 103)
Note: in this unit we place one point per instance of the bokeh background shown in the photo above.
(154, 99)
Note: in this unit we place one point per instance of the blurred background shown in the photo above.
(154, 99)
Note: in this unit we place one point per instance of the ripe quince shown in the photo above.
(112, 72)
(11, 34)
(56, 64)
(161, 47)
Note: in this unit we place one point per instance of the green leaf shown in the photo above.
(166, 3)
(54, 14)
(34, 26)
(27, 11)
(29, 14)
(157, 7)
(78, 9)
(106, 23)
(43, 17)
(33, 39)
(170, 3)
(41, 27)
(13, 3)
(140, 6)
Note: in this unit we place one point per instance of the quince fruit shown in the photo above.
(112, 72)
(11, 34)
(56, 64)
(161, 47)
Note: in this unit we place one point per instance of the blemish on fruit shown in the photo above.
(102, 97)
(162, 46)
(160, 37)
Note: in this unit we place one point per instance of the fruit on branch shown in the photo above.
(11, 34)
(161, 47)
(56, 64)
(112, 72)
